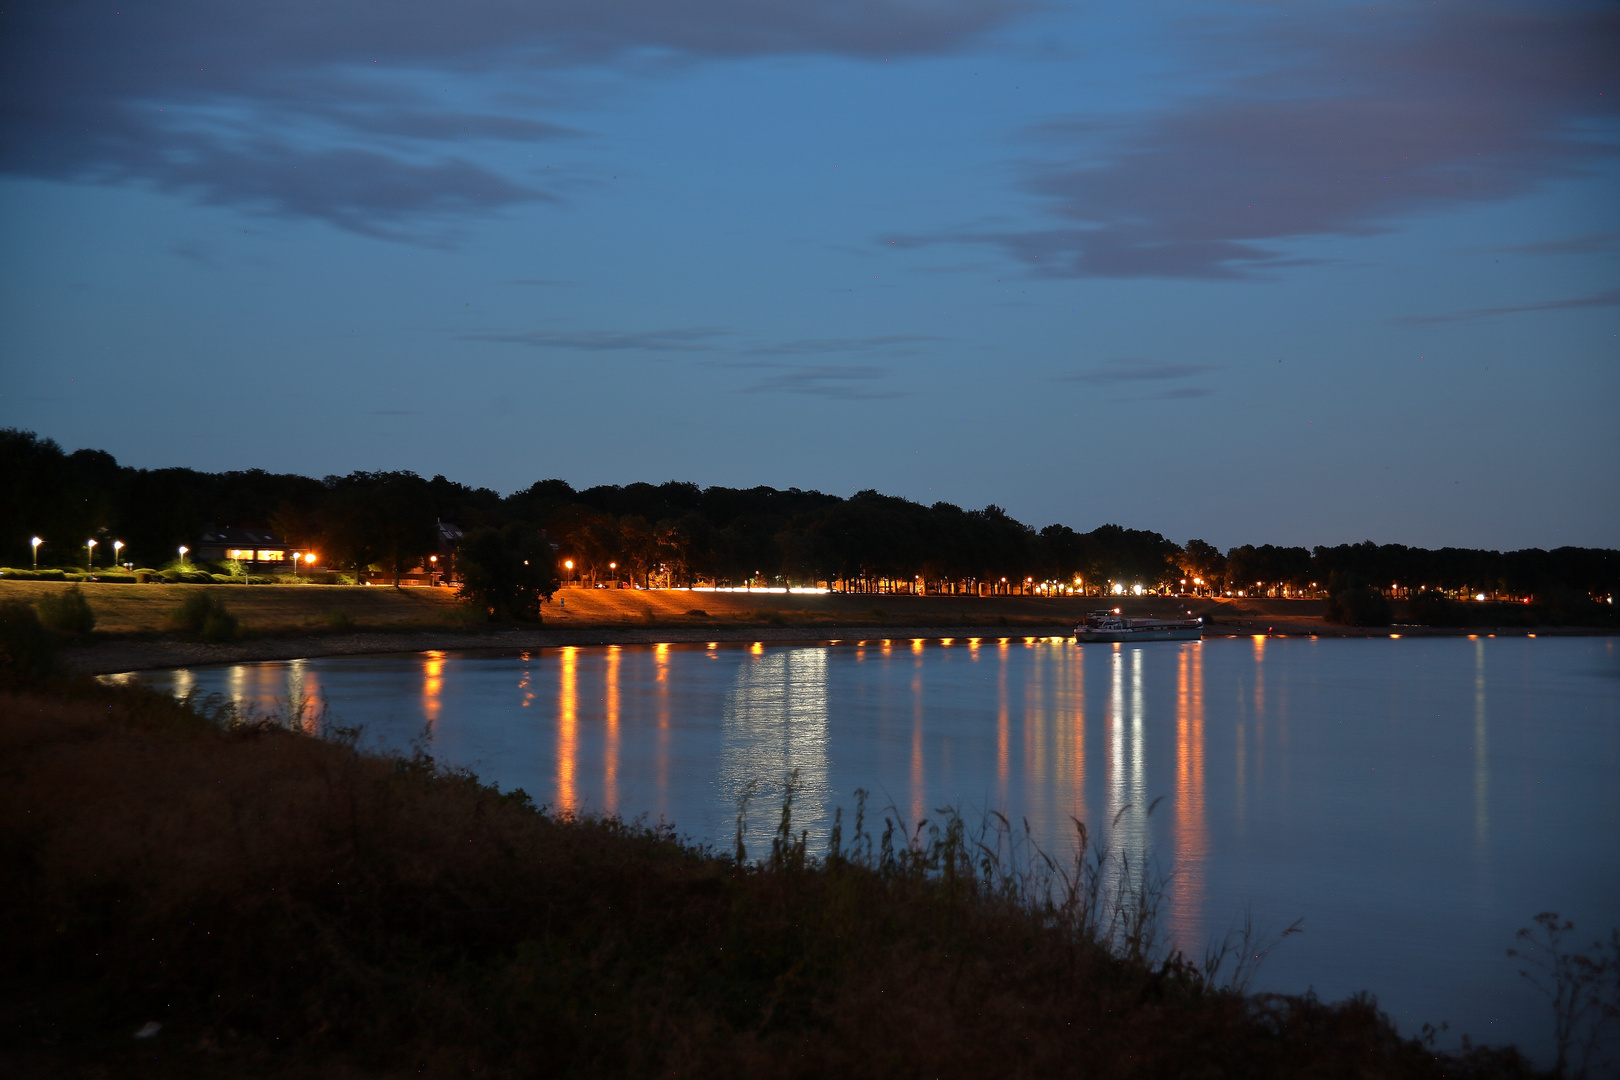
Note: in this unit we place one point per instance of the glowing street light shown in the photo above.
(183, 550)
(90, 555)
(118, 545)
(36, 541)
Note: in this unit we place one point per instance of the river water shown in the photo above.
(1414, 801)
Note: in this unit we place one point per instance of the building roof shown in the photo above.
(231, 535)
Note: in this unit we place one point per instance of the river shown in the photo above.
(1414, 801)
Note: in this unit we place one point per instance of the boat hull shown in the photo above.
(1145, 633)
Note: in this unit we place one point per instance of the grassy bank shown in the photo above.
(287, 906)
(301, 609)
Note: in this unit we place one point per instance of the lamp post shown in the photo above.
(118, 545)
(89, 555)
(36, 541)
(295, 556)
(183, 550)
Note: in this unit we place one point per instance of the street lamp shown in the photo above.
(36, 541)
(90, 555)
(118, 545)
(183, 550)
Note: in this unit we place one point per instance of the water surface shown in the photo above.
(1415, 801)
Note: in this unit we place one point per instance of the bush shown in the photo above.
(198, 577)
(117, 578)
(18, 575)
(144, 576)
(67, 612)
(203, 614)
(338, 620)
(27, 649)
(170, 577)
(221, 579)
(1430, 608)
(50, 575)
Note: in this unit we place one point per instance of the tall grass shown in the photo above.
(285, 906)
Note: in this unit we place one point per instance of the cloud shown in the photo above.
(1178, 393)
(844, 382)
(1597, 300)
(1134, 369)
(894, 344)
(357, 113)
(684, 339)
(1367, 115)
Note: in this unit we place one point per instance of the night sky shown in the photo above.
(1252, 272)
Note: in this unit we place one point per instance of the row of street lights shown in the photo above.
(90, 552)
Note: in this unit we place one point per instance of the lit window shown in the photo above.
(272, 556)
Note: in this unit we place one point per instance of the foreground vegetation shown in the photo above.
(256, 901)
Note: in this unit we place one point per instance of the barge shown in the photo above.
(1111, 626)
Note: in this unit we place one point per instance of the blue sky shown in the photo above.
(1253, 272)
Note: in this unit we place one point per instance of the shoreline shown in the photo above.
(118, 656)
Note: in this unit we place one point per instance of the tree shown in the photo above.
(506, 573)
(384, 518)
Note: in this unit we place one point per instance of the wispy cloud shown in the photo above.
(681, 339)
(1597, 300)
(1134, 369)
(894, 344)
(843, 381)
(1178, 393)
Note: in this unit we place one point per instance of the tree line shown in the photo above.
(678, 533)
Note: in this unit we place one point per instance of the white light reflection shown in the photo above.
(775, 721)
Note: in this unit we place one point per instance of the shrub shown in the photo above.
(1430, 608)
(19, 575)
(221, 579)
(67, 612)
(202, 613)
(338, 620)
(170, 577)
(117, 578)
(198, 577)
(27, 649)
(1351, 602)
(50, 575)
(144, 576)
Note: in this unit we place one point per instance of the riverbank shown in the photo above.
(282, 622)
(191, 898)
(115, 655)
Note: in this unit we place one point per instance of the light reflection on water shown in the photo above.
(1416, 801)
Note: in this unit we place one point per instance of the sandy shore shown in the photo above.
(114, 656)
